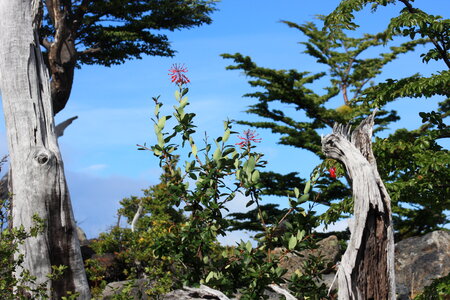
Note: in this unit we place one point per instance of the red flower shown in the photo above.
(177, 76)
(248, 138)
(332, 172)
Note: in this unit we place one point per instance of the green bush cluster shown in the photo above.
(173, 239)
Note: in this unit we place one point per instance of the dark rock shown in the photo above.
(419, 260)
(87, 252)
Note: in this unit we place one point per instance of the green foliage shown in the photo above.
(177, 222)
(21, 286)
(413, 165)
(411, 22)
(136, 255)
(415, 170)
(418, 208)
(305, 284)
(272, 215)
(10, 238)
(111, 32)
(439, 289)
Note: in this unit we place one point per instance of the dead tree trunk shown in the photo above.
(37, 174)
(367, 267)
(59, 131)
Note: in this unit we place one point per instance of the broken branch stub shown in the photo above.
(367, 267)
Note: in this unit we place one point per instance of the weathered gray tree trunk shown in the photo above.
(38, 184)
(59, 131)
(367, 267)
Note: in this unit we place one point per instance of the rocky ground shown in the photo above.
(418, 260)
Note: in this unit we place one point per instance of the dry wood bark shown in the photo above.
(367, 267)
(59, 131)
(37, 177)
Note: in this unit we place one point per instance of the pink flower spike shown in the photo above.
(332, 172)
(176, 74)
(249, 137)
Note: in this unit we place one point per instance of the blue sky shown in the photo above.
(114, 104)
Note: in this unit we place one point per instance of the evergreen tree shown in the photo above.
(413, 165)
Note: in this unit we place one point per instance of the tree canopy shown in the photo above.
(87, 32)
(417, 181)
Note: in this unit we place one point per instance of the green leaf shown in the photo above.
(184, 102)
(307, 187)
(292, 243)
(255, 176)
(303, 198)
(157, 129)
(171, 150)
(210, 276)
(251, 163)
(300, 235)
(217, 154)
(162, 122)
(228, 151)
(316, 176)
(194, 149)
(160, 138)
(237, 162)
(296, 192)
(249, 247)
(177, 95)
(226, 135)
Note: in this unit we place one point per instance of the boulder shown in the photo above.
(419, 260)
(328, 249)
(81, 236)
(137, 290)
(86, 250)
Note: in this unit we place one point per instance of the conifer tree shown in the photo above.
(413, 165)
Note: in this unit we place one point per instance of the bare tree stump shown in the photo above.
(367, 267)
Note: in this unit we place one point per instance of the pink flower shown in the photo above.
(332, 172)
(248, 138)
(177, 76)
